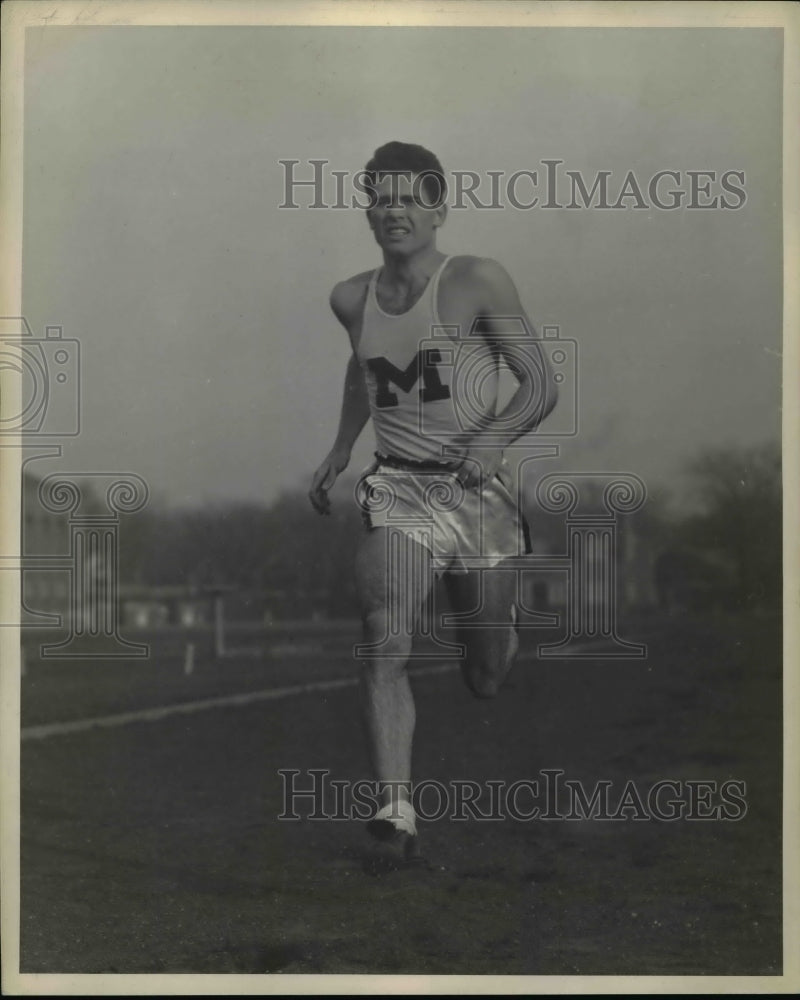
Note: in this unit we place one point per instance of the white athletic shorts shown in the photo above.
(463, 529)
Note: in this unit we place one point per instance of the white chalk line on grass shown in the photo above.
(46, 730)
(189, 707)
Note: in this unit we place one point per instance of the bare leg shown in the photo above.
(391, 590)
(490, 650)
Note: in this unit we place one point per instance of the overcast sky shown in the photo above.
(211, 363)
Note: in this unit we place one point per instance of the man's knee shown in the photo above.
(482, 684)
(489, 660)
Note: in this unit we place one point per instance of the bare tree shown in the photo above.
(737, 530)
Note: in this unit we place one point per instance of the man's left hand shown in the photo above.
(479, 466)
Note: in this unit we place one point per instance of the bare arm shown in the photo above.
(536, 393)
(355, 408)
(352, 418)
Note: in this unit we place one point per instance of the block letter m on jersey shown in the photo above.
(423, 363)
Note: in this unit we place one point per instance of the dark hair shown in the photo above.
(407, 157)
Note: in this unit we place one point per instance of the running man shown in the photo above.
(469, 528)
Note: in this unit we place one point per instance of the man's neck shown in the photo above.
(404, 269)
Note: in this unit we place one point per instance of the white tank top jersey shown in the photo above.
(409, 364)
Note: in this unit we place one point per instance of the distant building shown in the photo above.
(45, 550)
(51, 571)
(546, 589)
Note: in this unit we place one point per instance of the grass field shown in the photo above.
(152, 844)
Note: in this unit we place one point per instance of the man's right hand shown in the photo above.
(324, 478)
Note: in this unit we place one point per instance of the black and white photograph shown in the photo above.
(397, 434)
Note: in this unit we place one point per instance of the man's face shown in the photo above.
(400, 221)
